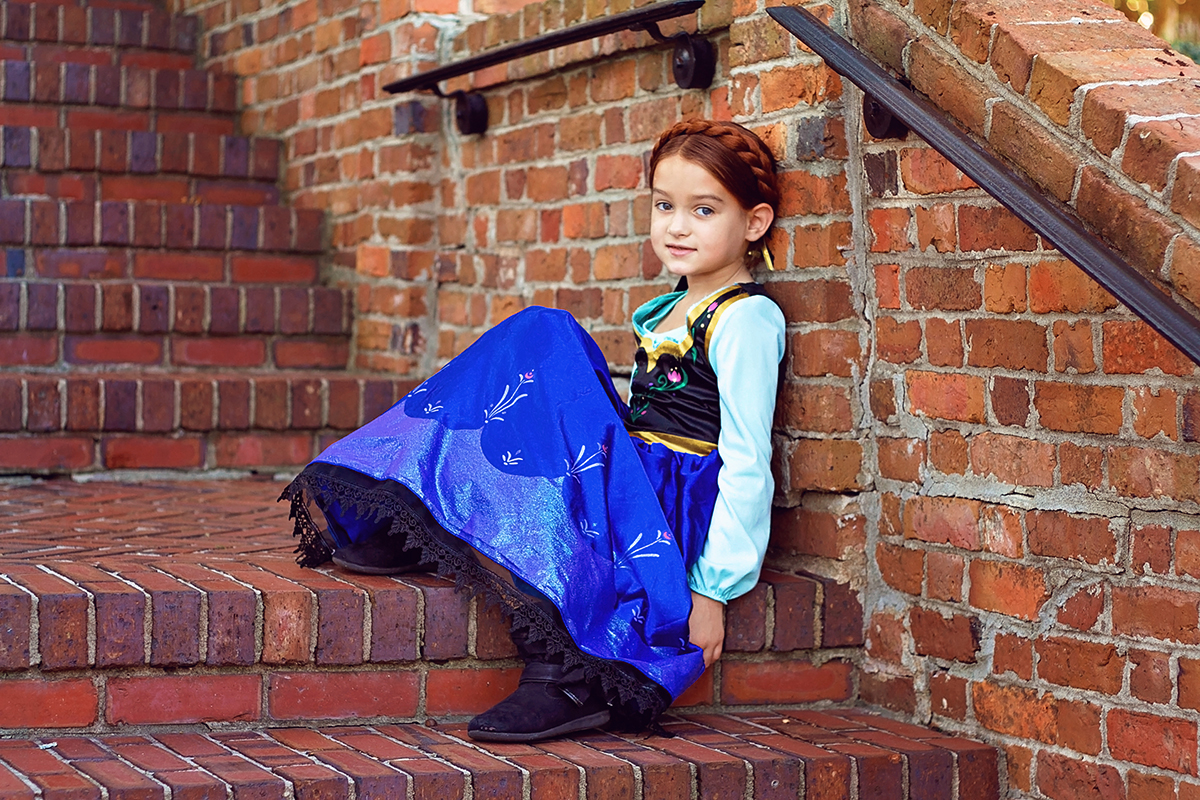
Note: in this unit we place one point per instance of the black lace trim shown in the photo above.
(636, 700)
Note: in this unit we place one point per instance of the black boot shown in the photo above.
(380, 554)
(549, 702)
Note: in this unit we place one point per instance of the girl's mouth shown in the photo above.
(679, 251)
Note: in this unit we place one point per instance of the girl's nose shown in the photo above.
(678, 225)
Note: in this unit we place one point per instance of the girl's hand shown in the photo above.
(707, 627)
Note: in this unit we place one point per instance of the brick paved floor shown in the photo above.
(62, 520)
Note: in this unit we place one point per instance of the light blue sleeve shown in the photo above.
(745, 350)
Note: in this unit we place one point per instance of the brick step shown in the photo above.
(39, 223)
(147, 187)
(151, 307)
(125, 26)
(787, 753)
(93, 118)
(137, 5)
(106, 86)
(123, 152)
(193, 402)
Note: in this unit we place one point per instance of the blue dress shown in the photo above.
(519, 450)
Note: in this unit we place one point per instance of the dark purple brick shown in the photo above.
(108, 85)
(795, 615)
(445, 618)
(45, 404)
(80, 308)
(212, 228)
(237, 157)
(17, 147)
(104, 25)
(260, 310)
(10, 306)
(328, 310)
(120, 405)
(81, 223)
(377, 398)
(129, 27)
(14, 263)
(276, 227)
(42, 311)
(166, 89)
(223, 309)
(184, 33)
(143, 152)
(154, 306)
(195, 90)
(114, 222)
(17, 606)
(12, 221)
(224, 93)
(181, 226)
(18, 25)
(10, 404)
(76, 83)
(16, 81)
(243, 234)
(120, 625)
(158, 30)
(176, 149)
(746, 621)
(293, 310)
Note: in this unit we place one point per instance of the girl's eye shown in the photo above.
(662, 205)
(705, 211)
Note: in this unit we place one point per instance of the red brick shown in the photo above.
(145, 452)
(1015, 711)
(1084, 665)
(112, 349)
(826, 464)
(1010, 344)
(944, 342)
(1079, 408)
(898, 342)
(943, 520)
(1059, 776)
(807, 84)
(1153, 740)
(1082, 465)
(1145, 472)
(946, 396)
(1004, 289)
(1013, 459)
(1012, 654)
(945, 288)
(890, 229)
(901, 459)
(992, 228)
(948, 452)
(1020, 138)
(46, 453)
(1153, 145)
(183, 698)
(39, 703)
(312, 354)
(1000, 531)
(1083, 609)
(1011, 589)
(467, 691)
(1061, 535)
(1106, 109)
(273, 269)
(1135, 230)
(224, 352)
(955, 638)
(1056, 76)
(1150, 678)
(950, 87)
(1156, 612)
(179, 267)
(945, 576)
(900, 567)
(1135, 347)
(784, 682)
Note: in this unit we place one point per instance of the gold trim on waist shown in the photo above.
(680, 444)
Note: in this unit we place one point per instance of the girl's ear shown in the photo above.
(758, 220)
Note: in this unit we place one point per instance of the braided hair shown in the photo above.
(733, 155)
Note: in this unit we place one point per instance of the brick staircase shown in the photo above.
(159, 306)
(159, 636)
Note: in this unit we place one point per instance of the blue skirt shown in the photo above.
(516, 450)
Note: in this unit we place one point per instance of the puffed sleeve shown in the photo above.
(745, 350)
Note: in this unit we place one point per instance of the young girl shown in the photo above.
(613, 534)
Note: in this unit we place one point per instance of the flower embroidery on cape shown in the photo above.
(506, 400)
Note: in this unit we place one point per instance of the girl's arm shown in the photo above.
(745, 350)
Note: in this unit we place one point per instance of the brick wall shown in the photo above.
(991, 450)
(1034, 579)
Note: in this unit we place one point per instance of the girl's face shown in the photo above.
(697, 228)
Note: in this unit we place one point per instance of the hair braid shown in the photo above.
(738, 141)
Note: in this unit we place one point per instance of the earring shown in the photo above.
(766, 257)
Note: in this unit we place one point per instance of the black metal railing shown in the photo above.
(693, 62)
(888, 100)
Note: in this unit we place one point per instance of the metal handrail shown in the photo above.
(693, 62)
(1056, 223)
